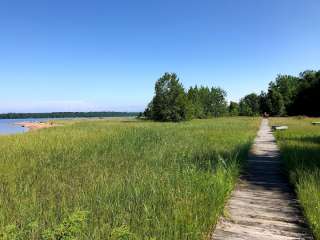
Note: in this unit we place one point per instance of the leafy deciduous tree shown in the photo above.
(170, 102)
(233, 109)
(250, 105)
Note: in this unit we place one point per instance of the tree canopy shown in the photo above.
(307, 99)
(290, 95)
(286, 95)
(207, 102)
(234, 109)
(250, 105)
(172, 103)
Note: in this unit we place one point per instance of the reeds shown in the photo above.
(133, 180)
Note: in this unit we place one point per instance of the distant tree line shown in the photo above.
(67, 115)
(287, 95)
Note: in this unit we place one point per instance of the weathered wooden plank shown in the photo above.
(263, 205)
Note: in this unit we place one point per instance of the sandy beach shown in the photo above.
(36, 125)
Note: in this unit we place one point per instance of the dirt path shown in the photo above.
(263, 205)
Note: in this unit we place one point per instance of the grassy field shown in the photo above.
(300, 148)
(120, 179)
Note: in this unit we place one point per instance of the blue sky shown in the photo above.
(81, 55)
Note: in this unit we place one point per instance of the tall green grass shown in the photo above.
(300, 148)
(120, 179)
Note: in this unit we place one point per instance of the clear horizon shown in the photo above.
(106, 56)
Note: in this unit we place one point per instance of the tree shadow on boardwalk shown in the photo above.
(268, 173)
(264, 205)
(297, 163)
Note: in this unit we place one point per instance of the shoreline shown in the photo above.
(32, 126)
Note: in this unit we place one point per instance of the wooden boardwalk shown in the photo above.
(263, 205)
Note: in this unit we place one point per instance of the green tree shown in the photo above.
(250, 105)
(204, 94)
(275, 102)
(287, 86)
(207, 102)
(234, 109)
(264, 103)
(287, 95)
(196, 104)
(308, 97)
(217, 102)
(170, 102)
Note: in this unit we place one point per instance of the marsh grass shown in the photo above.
(133, 180)
(300, 148)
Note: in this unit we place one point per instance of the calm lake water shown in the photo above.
(7, 126)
